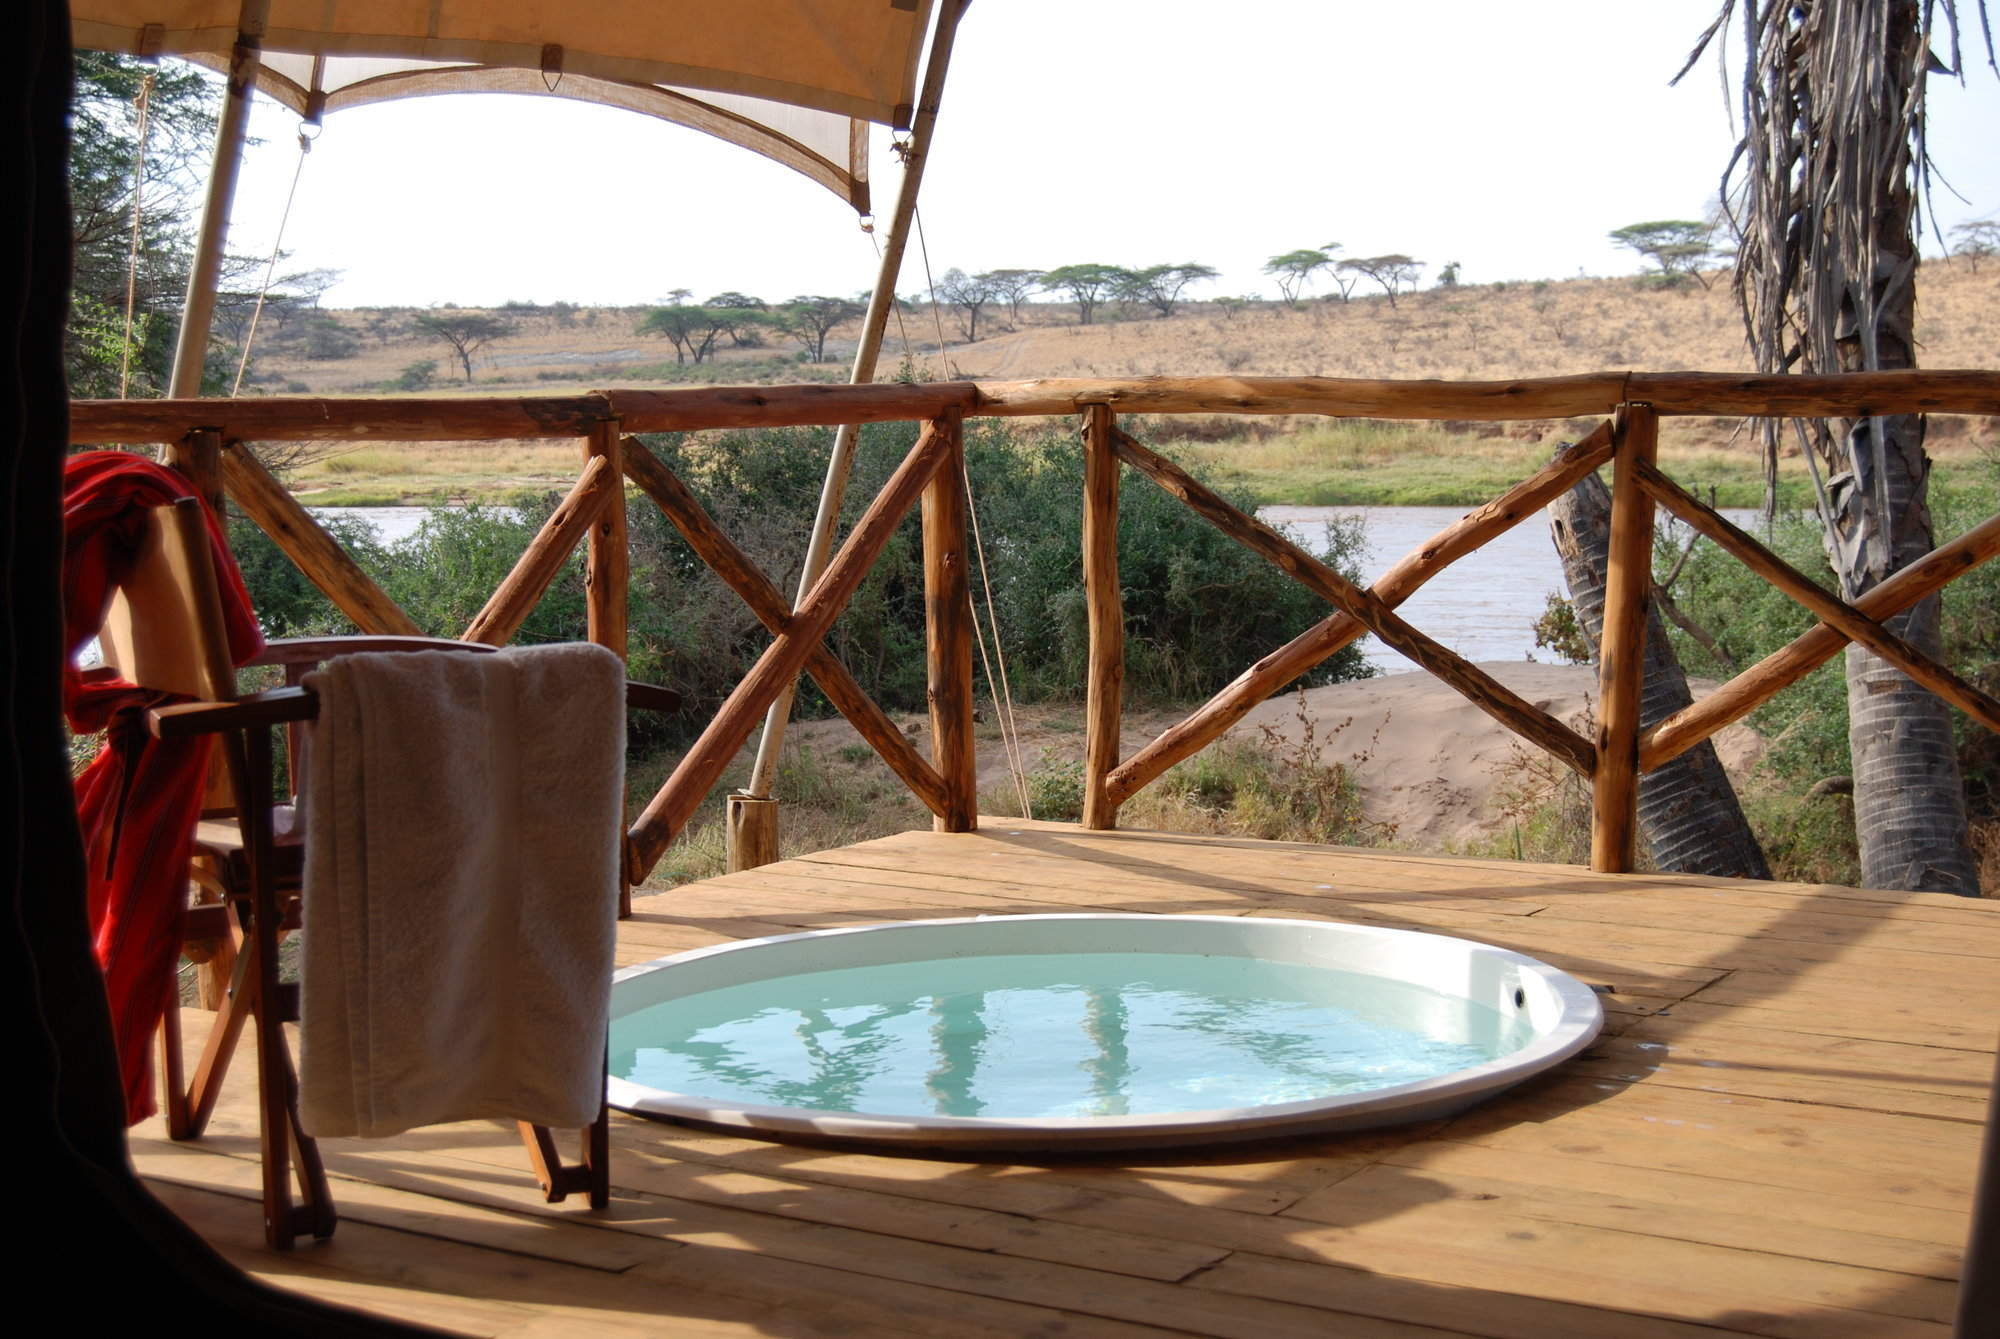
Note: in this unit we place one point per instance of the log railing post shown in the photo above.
(948, 613)
(1104, 600)
(607, 559)
(607, 572)
(199, 456)
(1628, 588)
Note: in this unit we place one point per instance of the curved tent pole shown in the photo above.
(198, 307)
(841, 463)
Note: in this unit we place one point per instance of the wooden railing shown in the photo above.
(206, 437)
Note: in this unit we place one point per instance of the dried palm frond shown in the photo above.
(1823, 188)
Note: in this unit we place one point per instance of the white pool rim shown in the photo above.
(1563, 1014)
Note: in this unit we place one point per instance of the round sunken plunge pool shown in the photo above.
(1085, 1032)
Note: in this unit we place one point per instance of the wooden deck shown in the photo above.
(1776, 1136)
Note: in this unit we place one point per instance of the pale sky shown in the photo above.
(1510, 138)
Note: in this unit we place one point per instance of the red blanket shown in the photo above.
(139, 799)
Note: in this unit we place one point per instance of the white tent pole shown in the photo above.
(865, 354)
(198, 309)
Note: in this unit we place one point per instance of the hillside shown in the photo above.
(1542, 328)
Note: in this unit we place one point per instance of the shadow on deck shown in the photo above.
(1776, 1136)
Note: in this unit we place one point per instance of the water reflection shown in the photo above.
(1055, 1035)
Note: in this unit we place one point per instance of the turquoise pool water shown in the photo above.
(1026, 1036)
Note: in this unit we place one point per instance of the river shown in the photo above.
(1484, 607)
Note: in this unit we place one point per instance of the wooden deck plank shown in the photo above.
(1775, 1137)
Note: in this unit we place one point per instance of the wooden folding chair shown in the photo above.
(164, 630)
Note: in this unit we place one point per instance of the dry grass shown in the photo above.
(1541, 328)
(429, 472)
(1495, 331)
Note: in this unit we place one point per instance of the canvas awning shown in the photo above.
(794, 80)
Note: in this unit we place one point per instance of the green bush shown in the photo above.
(415, 376)
(1748, 619)
(1198, 607)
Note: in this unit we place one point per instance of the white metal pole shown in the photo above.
(198, 308)
(873, 327)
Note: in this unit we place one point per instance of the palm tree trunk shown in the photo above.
(1909, 800)
(1688, 812)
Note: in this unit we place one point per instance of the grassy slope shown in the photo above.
(1476, 332)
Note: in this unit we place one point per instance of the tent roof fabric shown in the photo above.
(790, 79)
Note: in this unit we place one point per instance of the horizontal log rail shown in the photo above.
(208, 438)
(492, 418)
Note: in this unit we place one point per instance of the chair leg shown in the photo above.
(274, 1126)
(173, 1069)
(597, 1158)
(560, 1180)
(316, 1209)
(238, 1003)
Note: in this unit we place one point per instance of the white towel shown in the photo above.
(464, 819)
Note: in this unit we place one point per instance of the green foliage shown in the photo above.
(1559, 630)
(1086, 285)
(1160, 286)
(416, 376)
(1748, 619)
(1198, 607)
(103, 166)
(1055, 789)
(693, 331)
(1286, 786)
(464, 332)
(287, 604)
(1971, 622)
(1294, 269)
(809, 320)
(1677, 247)
(1394, 272)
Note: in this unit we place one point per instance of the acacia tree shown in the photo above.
(809, 320)
(1294, 269)
(969, 293)
(1833, 164)
(1394, 272)
(745, 319)
(1087, 285)
(1977, 240)
(1160, 286)
(1013, 285)
(1677, 246)
(691, 330)
(466, 332)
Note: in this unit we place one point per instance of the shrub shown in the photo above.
(415, 376)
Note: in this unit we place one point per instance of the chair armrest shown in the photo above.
(651, 697)
(285, 706)
(313, 650)
(274, 706)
